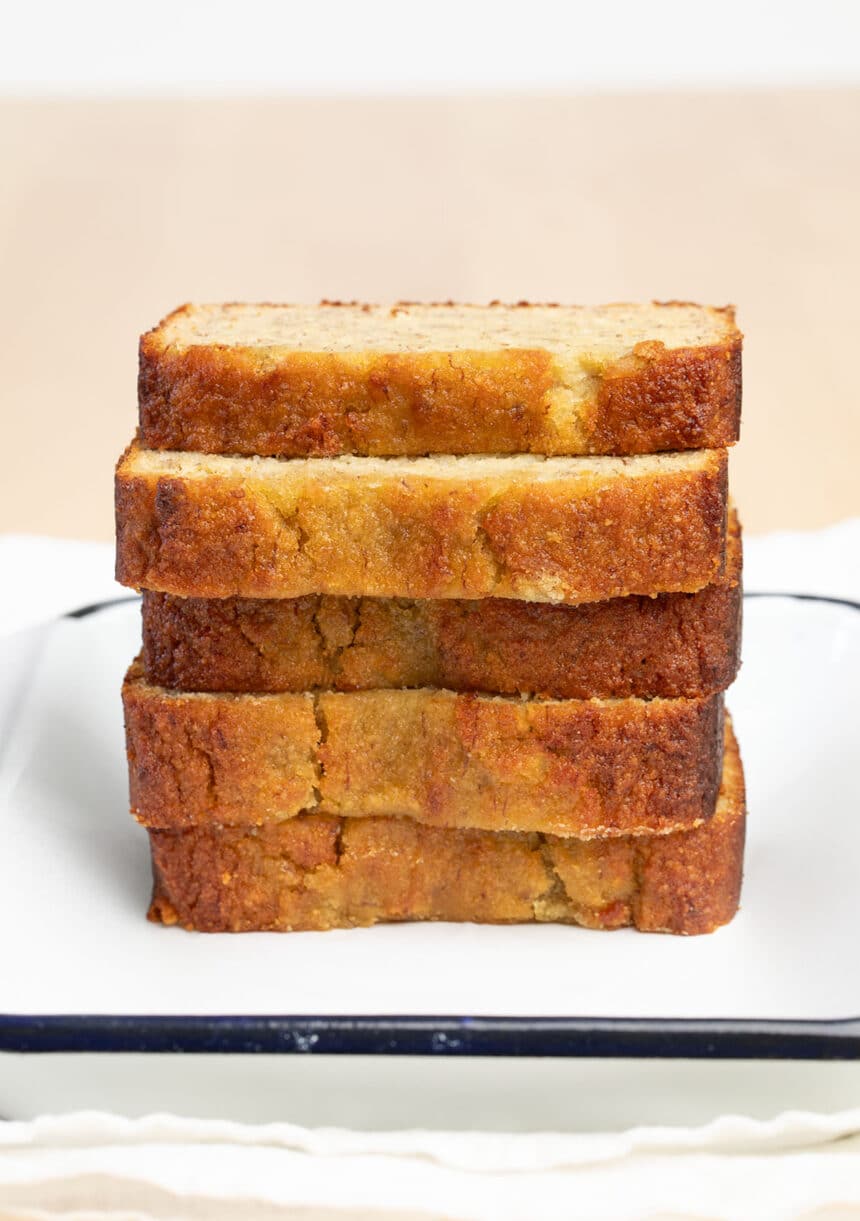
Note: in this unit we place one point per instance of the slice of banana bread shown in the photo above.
(539, 529)
(567, 767)
(671, 645)
(319, 872)
(294, 381)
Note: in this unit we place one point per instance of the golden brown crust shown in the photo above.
(322, 872)
(691, 882)
(664, 395)
(233, 399)
(281, 529)
(566, 767)
(673, 645)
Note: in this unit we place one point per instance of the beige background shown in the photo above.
(112, 213)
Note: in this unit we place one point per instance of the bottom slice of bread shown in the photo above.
(319, 872)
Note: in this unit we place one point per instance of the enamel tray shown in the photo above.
(82, 970)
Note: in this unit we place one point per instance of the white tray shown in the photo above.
(80, 967)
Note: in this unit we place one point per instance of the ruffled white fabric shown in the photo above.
(100, 1166)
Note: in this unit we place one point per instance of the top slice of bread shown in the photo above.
(299, 381)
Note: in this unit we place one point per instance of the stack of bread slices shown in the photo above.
(439, 606)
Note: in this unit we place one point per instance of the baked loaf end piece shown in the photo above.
(671, 645)
(322, 872)
(522, 527)
(294, 381)
(569, 767)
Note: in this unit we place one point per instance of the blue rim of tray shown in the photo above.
(669, 1038)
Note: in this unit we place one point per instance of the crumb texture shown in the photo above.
(292, 381)
(320, 871)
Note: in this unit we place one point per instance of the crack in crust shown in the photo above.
(317, 755)
(555, 898)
